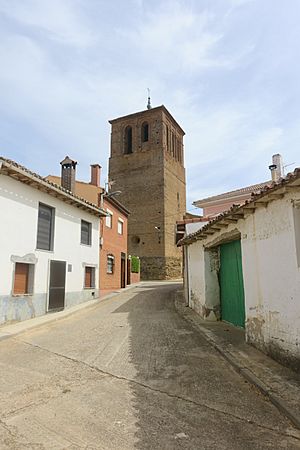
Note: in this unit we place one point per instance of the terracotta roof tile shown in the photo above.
(10, 164)
(247, 189)
(235, 211)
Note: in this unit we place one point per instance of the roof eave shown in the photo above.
(235, 213)
(50, 188)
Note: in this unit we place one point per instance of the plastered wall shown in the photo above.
(19, 218)
(271, 277)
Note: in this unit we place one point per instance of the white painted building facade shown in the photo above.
(26, 269)
(267, 228)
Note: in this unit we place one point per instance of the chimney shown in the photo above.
(95, 174)
(276, 167)
(68, 174)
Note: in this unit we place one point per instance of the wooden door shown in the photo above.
(123, 270)
(231, 284)
(57, 285)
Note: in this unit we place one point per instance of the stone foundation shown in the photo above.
(160, 268)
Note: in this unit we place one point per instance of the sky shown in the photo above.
(227, 70)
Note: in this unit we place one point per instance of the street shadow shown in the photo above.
(152, 350)
(164, 372)
(184, 395)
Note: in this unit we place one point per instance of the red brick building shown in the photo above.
(113, 245)
(113, 228)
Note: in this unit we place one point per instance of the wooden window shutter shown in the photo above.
(21, 278)
(44, 234)
(88, 277)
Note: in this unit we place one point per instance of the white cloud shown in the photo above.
(176, 38)
(60, 20)
(67, 66)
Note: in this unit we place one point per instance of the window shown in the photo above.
(120, 226)
(145, 132)
(110, 263)
(86, 233)
(167, 137)
(89, 277)
(108, 219)
(128, 140)
(173, 145)
(23, 281)
(45, 228)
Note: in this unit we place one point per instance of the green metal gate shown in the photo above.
(231, 284)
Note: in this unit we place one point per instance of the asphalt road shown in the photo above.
(130, 373)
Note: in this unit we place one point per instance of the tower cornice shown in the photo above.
(147, 112)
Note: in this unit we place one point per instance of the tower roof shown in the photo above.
(146, 112)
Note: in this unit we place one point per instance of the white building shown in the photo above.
(244, 267)
(49, 241)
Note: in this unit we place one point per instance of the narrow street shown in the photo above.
(130, 373)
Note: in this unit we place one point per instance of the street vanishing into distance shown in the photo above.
(130, 373)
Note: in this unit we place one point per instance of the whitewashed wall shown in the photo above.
(196, 281)
(194, 226)
(18, 234)
(271, 278)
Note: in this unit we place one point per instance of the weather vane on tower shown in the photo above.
(149, 100)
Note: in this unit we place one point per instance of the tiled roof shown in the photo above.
(227, 195)
(267, 194)
(112, 200)
(192, 220)
(24, 175)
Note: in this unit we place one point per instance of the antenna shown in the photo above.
(149, 100)
(287, 165)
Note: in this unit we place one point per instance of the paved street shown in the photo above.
(130, 373)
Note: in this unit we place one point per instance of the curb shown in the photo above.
(40, 321)
(243, 370)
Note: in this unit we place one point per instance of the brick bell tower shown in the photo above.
(147, 165)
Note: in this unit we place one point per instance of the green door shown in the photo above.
(231, 284)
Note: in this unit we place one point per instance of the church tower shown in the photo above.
(147, 165)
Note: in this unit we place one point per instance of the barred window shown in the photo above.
(110, 264)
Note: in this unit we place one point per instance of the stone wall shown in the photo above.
(160, 268)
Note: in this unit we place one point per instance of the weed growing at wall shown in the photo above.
(135, 264)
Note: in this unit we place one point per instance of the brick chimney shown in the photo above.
(276, 167)
(68, 174)
(95, 174)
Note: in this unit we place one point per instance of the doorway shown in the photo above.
(57, 285)
(123, 270)
(232, 284)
